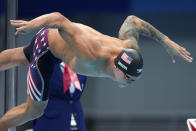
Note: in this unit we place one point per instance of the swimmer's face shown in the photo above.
(123, 79)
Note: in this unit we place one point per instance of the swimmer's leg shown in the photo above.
(22, 113)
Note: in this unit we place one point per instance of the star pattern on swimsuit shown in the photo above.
(44, 44)
(39, 47)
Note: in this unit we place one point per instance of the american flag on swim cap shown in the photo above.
(126, 58)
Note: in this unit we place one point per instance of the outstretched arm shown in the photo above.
(134, 26)
(12, 57)
(66, 28)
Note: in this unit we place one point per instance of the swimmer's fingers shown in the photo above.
(182, 53)
(176, 50)
(18, 23)
(185, 55)
(19, 29)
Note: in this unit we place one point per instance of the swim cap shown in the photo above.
(130, 62)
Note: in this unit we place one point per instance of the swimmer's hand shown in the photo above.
(21, 25)
(174, 50)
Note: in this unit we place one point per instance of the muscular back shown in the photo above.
(86, 51)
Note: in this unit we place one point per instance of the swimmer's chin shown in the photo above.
(120, 84)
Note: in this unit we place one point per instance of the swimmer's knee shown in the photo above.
(36, 109)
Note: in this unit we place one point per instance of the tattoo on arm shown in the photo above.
(134, 26)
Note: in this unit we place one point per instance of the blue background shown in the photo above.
(27, 8)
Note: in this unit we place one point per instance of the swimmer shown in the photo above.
(88, 51)
(92, 53)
